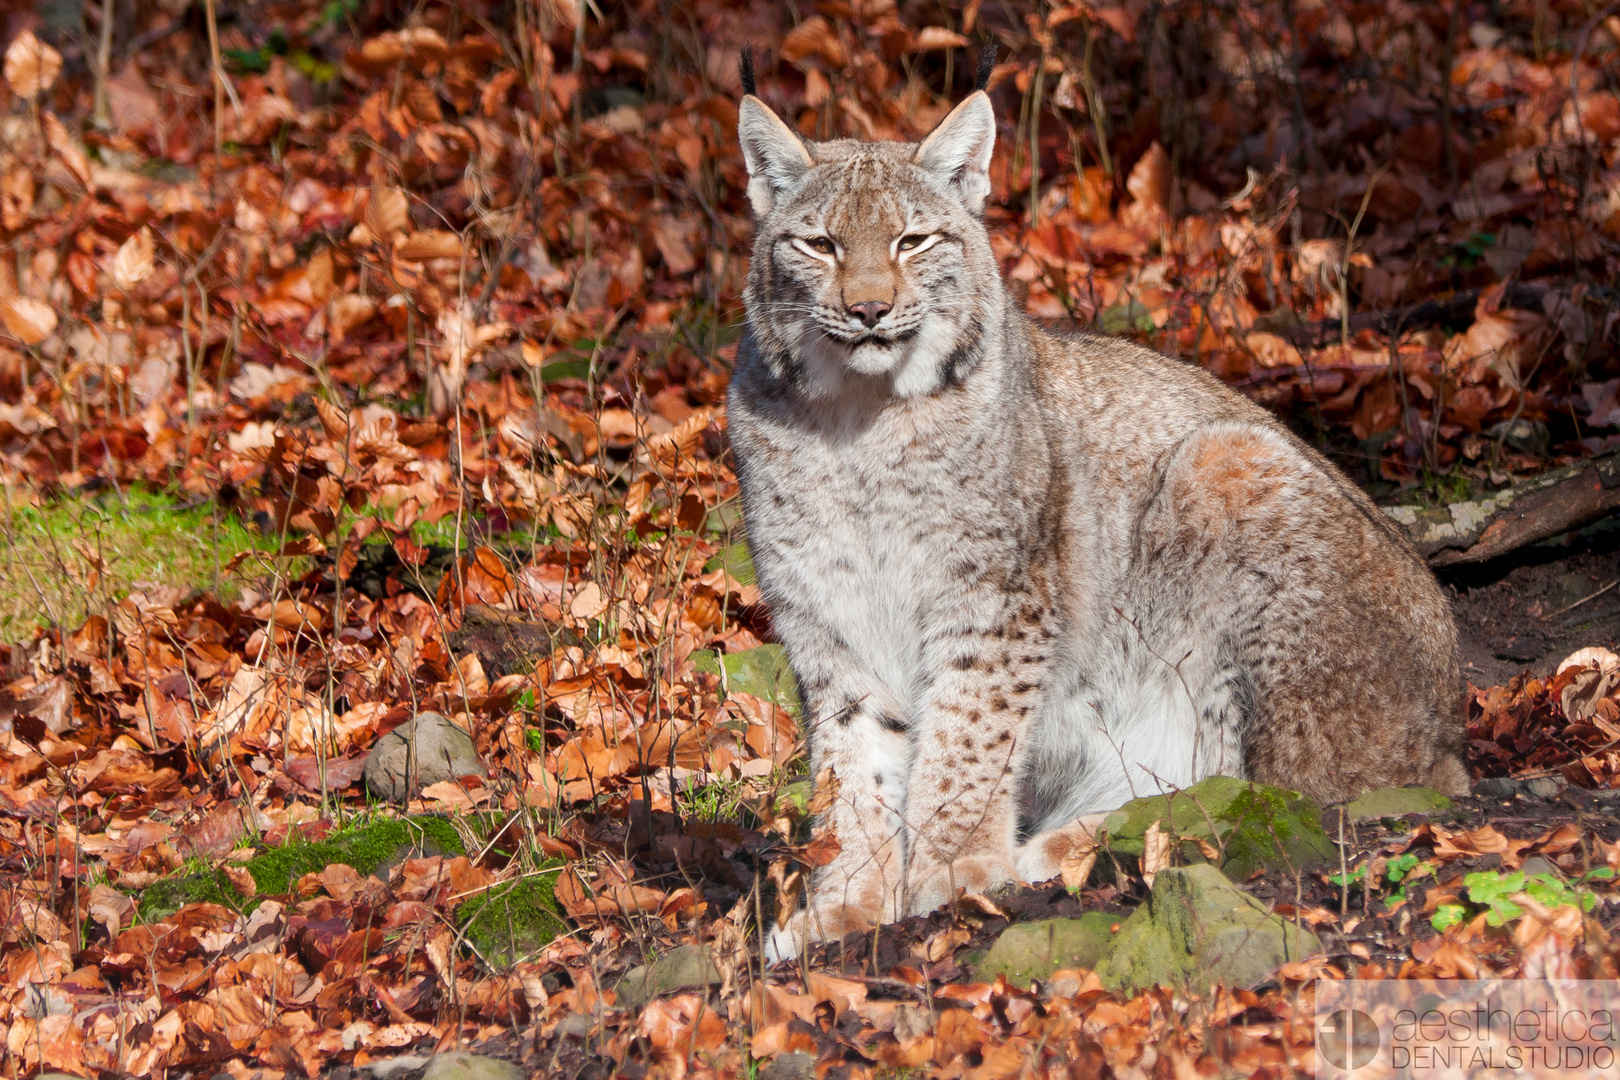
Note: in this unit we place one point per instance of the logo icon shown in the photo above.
(1348, 1039)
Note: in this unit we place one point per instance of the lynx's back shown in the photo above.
(1024, 577)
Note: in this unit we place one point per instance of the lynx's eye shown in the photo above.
(822, 244)
(912, 241)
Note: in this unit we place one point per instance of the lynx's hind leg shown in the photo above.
(1345, 638)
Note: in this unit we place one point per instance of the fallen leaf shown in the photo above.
(133, 263)
(1155, 853)
(241, 880)
(30, 321)
(31, 65)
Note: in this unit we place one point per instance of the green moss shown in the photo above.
(164, 898)
(735, 560)
(365, 848)
(514, 920)
(1254, 825)
(762, 671)
(368, 848)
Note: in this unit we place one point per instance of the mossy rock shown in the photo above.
(1029, 951)
(373, 847)
(762, 672)
(735, 560)
(687, 967)
(1395, 802)
(513, 920)
(1197, 930)
(1255, 827)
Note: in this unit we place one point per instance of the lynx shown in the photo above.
(1024, 577)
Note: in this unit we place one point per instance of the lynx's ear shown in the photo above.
(958, 151)
(775, 156)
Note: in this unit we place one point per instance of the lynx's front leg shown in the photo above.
(962, 805)
(858, 742)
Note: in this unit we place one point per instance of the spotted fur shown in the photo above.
(1023, 577)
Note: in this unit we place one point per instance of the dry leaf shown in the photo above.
(30, 321)
(241, 880)
(387, 213)
(588, 603)
(17, 190)
(133, 263)
(824, 792)
(1155, 853)
(946, 942)
(1273, 351)
(434, 244)
(31, 65)
(1077, 864)
(930, 38)
(815, 37)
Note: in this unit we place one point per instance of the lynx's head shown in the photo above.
(871, 261)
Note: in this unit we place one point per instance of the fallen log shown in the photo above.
(1477, 530)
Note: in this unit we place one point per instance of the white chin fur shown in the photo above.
(913, 368)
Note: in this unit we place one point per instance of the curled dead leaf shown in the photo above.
(930, 38)
(31, 65)
(821, 850)
(815, 37)
(433, 244)
(1150, 178)
(1155, 853)
(588, 603)
(1075, 869)
(241, 880)
(349, 312)
(134, 262)
(825, 792)
(30, 321)
(1273, 351)
(387, 212)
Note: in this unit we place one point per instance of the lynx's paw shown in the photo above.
(1042, 856)
(935, 886)
(787, 940)
(819, 922)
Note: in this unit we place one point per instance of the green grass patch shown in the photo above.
(74, 557)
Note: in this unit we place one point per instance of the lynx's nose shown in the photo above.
(870, 311)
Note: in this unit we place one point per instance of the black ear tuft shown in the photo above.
(746, 67)
(987, 66)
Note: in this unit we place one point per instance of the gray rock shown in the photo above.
(1535, 864)
(794, 1066)
(1394, 802)
(1498, 787)
(1196, 930)
(1544, 787)
(1526, 436)
(460, 1065)
(1028, 951)
(424, 750)
(395, 1067)
(689, 967)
